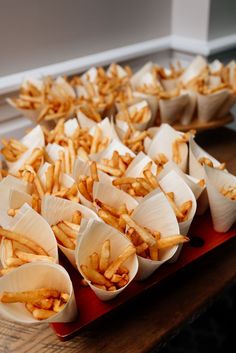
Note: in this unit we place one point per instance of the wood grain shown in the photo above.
(152, 319)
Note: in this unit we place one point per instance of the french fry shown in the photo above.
(38, 186)
(94, 261)
(83, 190)
(109, 218)
(56, 176)
(113, 267)
(23, 240)
(151, 179)
(42, 314)
(105, 256)
(14, 262)
(109, 170)
(96, 140)
(49, 179)
(77, 216)
(94, 276)
(26, 257)
(63, 238)
(173, 240)
(144, 234)
(29, 296)
(71, 233)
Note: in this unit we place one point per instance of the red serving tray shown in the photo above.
(203, 239)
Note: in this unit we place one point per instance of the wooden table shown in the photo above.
(157, 315)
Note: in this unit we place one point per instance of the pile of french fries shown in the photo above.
(42, 303)
(106, 155)
(99, 92)
(66, 232)
(20, 250)
(104, 273)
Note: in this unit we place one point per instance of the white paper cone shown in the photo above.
(112, 196)
(195, 153)
(190, 181)
(84, 121)
(172, 182)
(35, 138)
(208, 105)
(189, 108)
(6, 185)
(152, 102)
(34, 276)
(223, 210)
(119, 71)
(138, 79)
(162, 143)
(156, 213)
(91, 241)
(70, 126)
(115, 145)
(34, 227)
(169, 84)
(135, 169)
(137, 107)
(107, 129)
(193, 70)
(55, 209)
(67, 88)
(172, 109)
(53, 150)
(18, 198)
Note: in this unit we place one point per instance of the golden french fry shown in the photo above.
(151, 179)
(23, 240)
(8, 246)
(74, 226)
(94, 171)
(29, 296)
(43, 303)
(56, 176)
(63, 238)
(94, 276)
(144, 234)
(141, 248)
(113, 267)
(94, 261)
(123, 180)
(14, 262)
(67, 230)
(109, 218)
(26, 257)
(42, 314)
(166, 242)
(109, 170)
(96, 140)
(83, 190)
(105, 256)
(77, 216)
(49, 179)
(38, 186)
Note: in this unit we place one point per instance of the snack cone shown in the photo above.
(162, 143)
(30, 224)
(208, 105)
(171, 110)
(84, 121)
(152, 102)
(223, 209)
(55, 209)
(190, 108)
(135, 169)
(156, 213)
(70, 126)
(91, 241)
(11, 183)
(34, 276)
(172, 182)
(107, 128)
(193, 70)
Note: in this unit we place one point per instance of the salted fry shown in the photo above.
(63, 238)
(129, 251)
(26, 257)
(94, 172)
(105, 256)
(94, 276)
(77, 216)
(29, 296)
(173, 240)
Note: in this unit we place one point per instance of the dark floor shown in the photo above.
(213, 332)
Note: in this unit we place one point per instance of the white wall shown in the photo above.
(35, 33)
(222, 20)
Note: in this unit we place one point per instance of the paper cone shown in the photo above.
(34, 276)
(67, 88)
(135, 169)
(91, 241)
(142, 76)
(107, 128)
(208, 105)
(223, 209)
(172, 182)
(152, 102)
(190, 181)
(190, 108)
(53, 150)
(84, 121)
(195, 153)
(162, 143)
(171, 110)
(121, 73)
(115, 145)
(112, 196)
(156, 213)
(6, 185)
(215, 67)
(34, 227)
(70, 126)
(193, 70)
(18, 198)
(81, 91)
(35, 138)
(169, 84)
(55, 209)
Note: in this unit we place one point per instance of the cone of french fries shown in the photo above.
(181, 199)
(154, 231)
(11, 183)
(172, 106)
(170, 144)
(64, 217)
(29, 239)
(17, 153)
(197, 186)
(139, 164)
(138, 114)
(190, 108)
(106, 259)
(84, 120)
(37, 292)
(221, 190)
(152, 102)
(195, 69)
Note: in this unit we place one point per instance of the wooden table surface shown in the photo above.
(157, 315)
